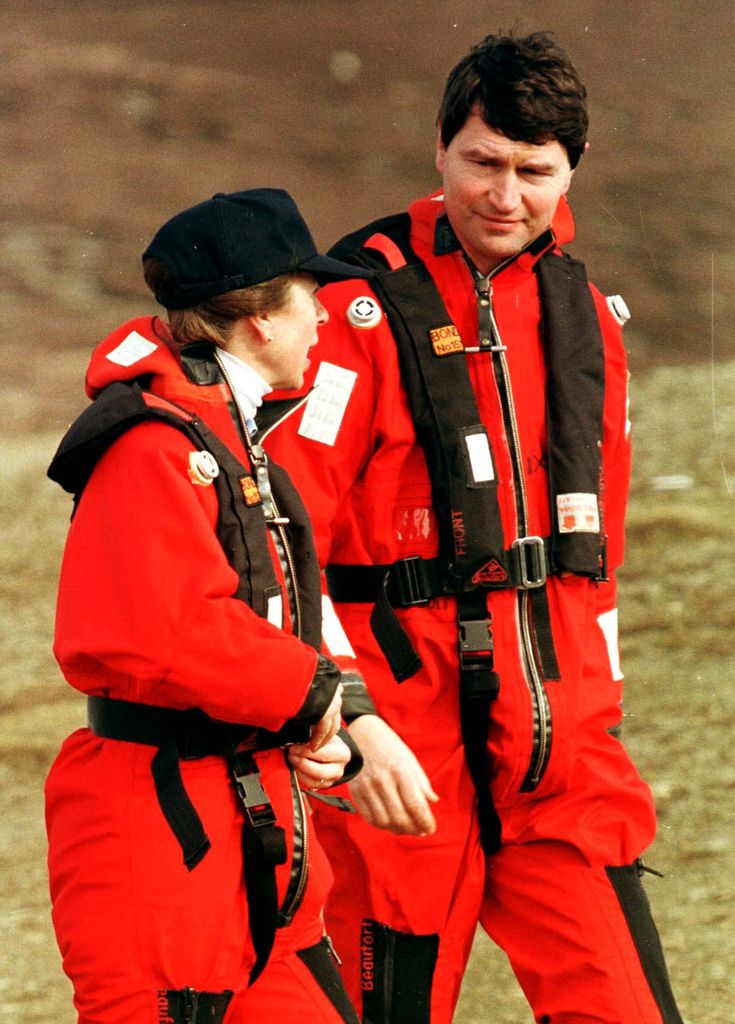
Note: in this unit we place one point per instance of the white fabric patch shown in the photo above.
(326, 405)
(608, 622)
(274, 611)
(481, 460)
(131, 350)
(333, 634)
(577, 513)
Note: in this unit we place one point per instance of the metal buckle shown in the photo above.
(531, 561)
(407, 583)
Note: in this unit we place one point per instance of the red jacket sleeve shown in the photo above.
(146, 609)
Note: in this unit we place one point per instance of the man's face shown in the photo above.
(499, 194)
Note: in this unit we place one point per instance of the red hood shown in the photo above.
(424, 212)
(138, 347)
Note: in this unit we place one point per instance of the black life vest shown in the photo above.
(444, 408)
(241, 526)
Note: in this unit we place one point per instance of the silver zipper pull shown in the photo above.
(332, 950)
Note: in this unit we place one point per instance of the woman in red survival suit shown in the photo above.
(186, 882)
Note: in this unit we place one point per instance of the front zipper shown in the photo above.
(300, 866)
(279, 523)
(541, 710)
(259, 460)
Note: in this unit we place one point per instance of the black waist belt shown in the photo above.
(415, 580)
(193, 733)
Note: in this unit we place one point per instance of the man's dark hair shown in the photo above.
(525, 87)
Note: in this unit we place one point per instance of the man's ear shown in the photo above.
(441, 151)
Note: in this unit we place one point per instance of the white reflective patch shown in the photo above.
(578, 513)
(326, 406)
(608, 623)
(131, 350)
(274, 611)
(364, 312)
(333, 634)
(627, 406)
(481, 460)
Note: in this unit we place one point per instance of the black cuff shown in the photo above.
(355, 762)
(356, 700)
(323, 687)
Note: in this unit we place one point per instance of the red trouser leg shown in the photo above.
(132, 922)
(569, 930)
(303, 986)
(402, 914)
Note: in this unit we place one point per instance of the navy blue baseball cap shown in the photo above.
(237, 240)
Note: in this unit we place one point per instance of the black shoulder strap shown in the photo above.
(118, 408)
(351, 248)
(446, 418)
(575, 367)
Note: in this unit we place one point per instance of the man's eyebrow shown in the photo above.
(479, 152)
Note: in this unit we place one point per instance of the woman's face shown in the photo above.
(293, 331)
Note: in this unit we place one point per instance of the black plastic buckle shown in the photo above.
(407, 585)
(475, 645)
(258, 808)
(532, 565)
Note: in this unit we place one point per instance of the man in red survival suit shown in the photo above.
(186, 881)
(465, 460)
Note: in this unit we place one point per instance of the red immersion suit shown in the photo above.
(152, 613)
(559, 888)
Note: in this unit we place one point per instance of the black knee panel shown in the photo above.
(397, 974)
(626, 881)
(187, 1006)
(319, 961)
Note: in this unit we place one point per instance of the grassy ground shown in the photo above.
(677, 619)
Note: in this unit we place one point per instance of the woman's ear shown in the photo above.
(261, 326)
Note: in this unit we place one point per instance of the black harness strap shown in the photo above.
(479, 685)
(445, 412)
(263, 849)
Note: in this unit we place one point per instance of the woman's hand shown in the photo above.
(318, 769)
(328, 725)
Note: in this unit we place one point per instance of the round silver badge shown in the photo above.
(617, 306)
(364, 312)
(203, 468)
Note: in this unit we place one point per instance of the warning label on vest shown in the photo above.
(578, 513)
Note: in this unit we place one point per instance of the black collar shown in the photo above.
(446, 241)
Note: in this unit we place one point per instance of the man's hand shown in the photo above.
(392, 791)
(317, 769)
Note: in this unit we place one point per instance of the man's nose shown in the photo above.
(505, 194)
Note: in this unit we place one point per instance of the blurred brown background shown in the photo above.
(114, 115)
